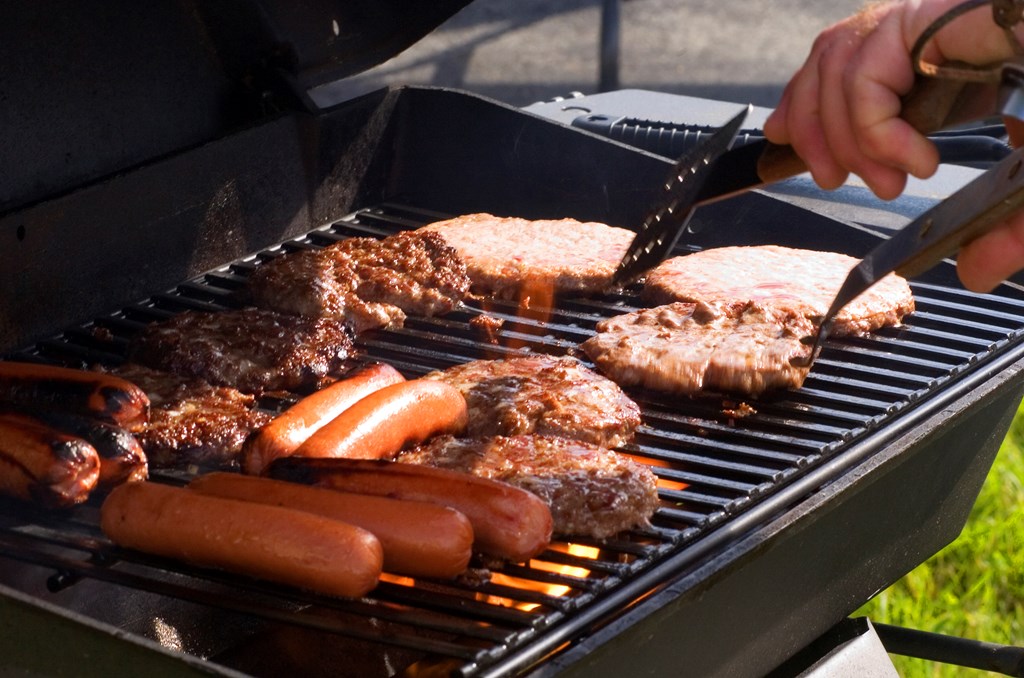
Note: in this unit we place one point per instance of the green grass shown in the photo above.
(973, 588)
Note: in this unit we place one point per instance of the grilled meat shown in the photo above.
(591, 491)
(253, 350)
(367, 282)
(513, 258)
(122, 458)
(45, 466)
(801, 281)
(545, 395)
(688, 348)
(192, 421)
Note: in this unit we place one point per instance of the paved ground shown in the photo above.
(524, 51)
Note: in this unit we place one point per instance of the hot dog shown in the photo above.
(419, 539)
(42, 465)
(287, 546)
(93, 394)
(283, 435)
(122, 458)
(508, 522)
(382, 423)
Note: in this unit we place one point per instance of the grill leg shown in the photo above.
(1005, 659)
(609, 46)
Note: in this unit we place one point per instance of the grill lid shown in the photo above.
(92, 90)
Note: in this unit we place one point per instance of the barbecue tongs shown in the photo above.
(915, 248)
(935, 235)
(711, 171)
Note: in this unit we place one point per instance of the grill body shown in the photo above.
(791, 518)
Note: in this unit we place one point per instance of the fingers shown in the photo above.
(807, 134)
(875, 81)
(841, 111)
(993, 257)
(848, 64)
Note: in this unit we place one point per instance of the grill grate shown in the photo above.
(713, 462)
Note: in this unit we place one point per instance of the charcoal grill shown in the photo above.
(774, 526)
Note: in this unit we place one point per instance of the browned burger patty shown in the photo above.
(689, 348)
(591, 491)
(367, 282)
(253, 350)
(191, 421)
(544, 395)
(510, 257)
(801, 281)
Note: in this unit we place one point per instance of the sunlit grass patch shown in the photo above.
(973, 588)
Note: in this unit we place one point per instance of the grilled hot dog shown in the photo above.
(508, 522)
(419, 539)
(43, 465)
(282, 436)
(93, 394)
(382, 423)
(122, 458)
(287, 546)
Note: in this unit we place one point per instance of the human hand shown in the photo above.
(841, 111)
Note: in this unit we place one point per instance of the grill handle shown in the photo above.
(1005, 659)
(978, 147)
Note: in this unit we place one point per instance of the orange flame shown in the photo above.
(397, 579)
(663, 483)
(536, 298)
(553, 590)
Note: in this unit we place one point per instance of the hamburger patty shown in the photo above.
(369, 283)
(590, 490)
(801, 281)
(688, 348)
(510, 258)
(544, 395)
(190, 420)
(253, 350)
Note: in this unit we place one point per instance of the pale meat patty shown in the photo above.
(803, 281)
(591, 491)
(544, 395)
(512, 258)
(688, 348)
(253, 350)
(366, 282)
(190, 420)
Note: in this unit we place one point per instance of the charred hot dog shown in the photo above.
(282, 436)
(382, 423)
(419, 539)
(93, 394)
(122, 458)
(287, 546)
(43, 465)
(508, 522)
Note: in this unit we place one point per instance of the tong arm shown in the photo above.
(938, 233)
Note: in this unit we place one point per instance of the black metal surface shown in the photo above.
(91, 91)
(754, 496)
